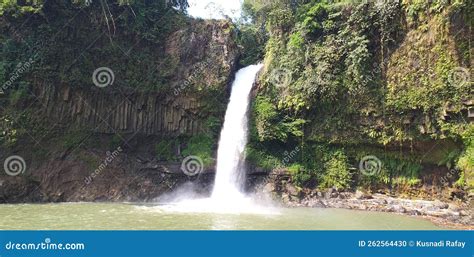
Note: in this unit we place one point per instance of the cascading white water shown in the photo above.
(227, 196)
(230, 171)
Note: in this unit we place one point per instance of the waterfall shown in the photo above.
(227, 196)
(230, 171)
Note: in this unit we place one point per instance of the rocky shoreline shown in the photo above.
(456, 214)
(63, 181)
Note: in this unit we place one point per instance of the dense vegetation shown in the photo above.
(342, 80)
(348, 79)
(62, 42)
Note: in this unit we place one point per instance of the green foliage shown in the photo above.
(134, 31)
(313, 19)
(296, 40)
(73, 138)
(271, 124)
(165, 149)
(17, 95)
(404, 168)
(364, 73)
(201, 146)
(213, 126)
(116, 141)
(262, 159)
(17, 8)
(252, 40)
(280, 19)
(337, 174)
(450, 159)
(466, 160)
(300, 176)
(9, 131)
(266, 116)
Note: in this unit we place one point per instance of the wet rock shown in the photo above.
(440, 205)
(397, 209)
(440, 214)
(269, 187)
(454, 207)
(292, 190)
(362, 195)
(316, 204)
(285, 198)
(332, 193)
(414, 212)
(140, 160)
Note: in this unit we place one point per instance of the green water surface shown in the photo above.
(94, 216)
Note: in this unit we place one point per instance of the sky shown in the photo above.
(213, 9)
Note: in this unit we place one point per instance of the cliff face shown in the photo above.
(387, 81)
(166, 82)
(204, 57)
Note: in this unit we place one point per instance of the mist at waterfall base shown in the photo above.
(227, 195)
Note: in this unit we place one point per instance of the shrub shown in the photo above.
(337, 172)
(200, 146)
(299, 174)
(165, 150)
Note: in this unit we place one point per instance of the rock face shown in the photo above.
(203, 56)
(111, 112)
(193, 70)
(122, 180)
(206, 52)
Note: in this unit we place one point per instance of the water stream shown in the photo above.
(227, 208)
(230, 169)
(227, 196)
